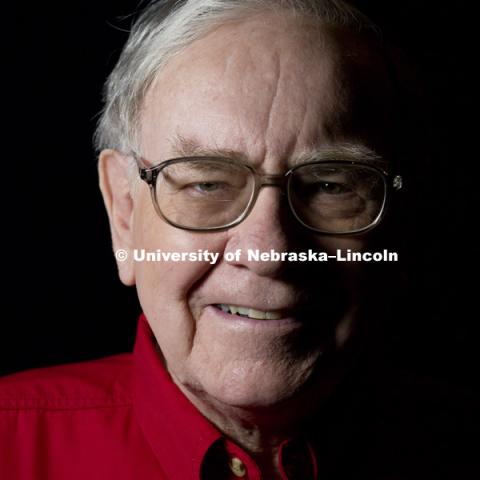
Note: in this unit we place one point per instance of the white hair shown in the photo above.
(166, 27)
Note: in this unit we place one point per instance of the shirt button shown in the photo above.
(237, 467)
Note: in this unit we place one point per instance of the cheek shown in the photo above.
(167, 281)
(347, 283)
(349, 272)
(164, 286)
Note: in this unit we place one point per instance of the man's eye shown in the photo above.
(332, 188)
(206, 187)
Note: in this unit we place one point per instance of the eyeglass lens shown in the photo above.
(212, 193)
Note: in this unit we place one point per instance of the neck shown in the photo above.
(259, 434)
(260, 431)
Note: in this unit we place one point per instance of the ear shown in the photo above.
(113, 170)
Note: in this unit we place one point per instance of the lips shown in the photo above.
(253, 313)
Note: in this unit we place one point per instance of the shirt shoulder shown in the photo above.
(96, 383)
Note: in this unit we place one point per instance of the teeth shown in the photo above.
(250, 312)
(258, 314)
(273, 315)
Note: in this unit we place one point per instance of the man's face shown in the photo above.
(269, 90)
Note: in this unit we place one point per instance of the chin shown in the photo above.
(259, 385)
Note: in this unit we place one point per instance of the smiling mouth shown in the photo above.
(247, 312)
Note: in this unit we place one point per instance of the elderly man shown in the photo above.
(230, 127)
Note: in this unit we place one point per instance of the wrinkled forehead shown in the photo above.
(272, 77)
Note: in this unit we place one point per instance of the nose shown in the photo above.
(269, 227)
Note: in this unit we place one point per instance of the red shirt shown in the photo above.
(120, 418)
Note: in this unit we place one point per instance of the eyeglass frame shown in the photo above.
(150, 174)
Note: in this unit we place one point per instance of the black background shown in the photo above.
(62, 299)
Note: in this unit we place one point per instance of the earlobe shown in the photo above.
(113, 170)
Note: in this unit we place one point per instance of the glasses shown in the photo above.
(329, 197)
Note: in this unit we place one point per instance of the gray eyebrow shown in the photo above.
(354, 152)
(183, 147)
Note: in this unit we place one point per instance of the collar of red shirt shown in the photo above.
(185, 442)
